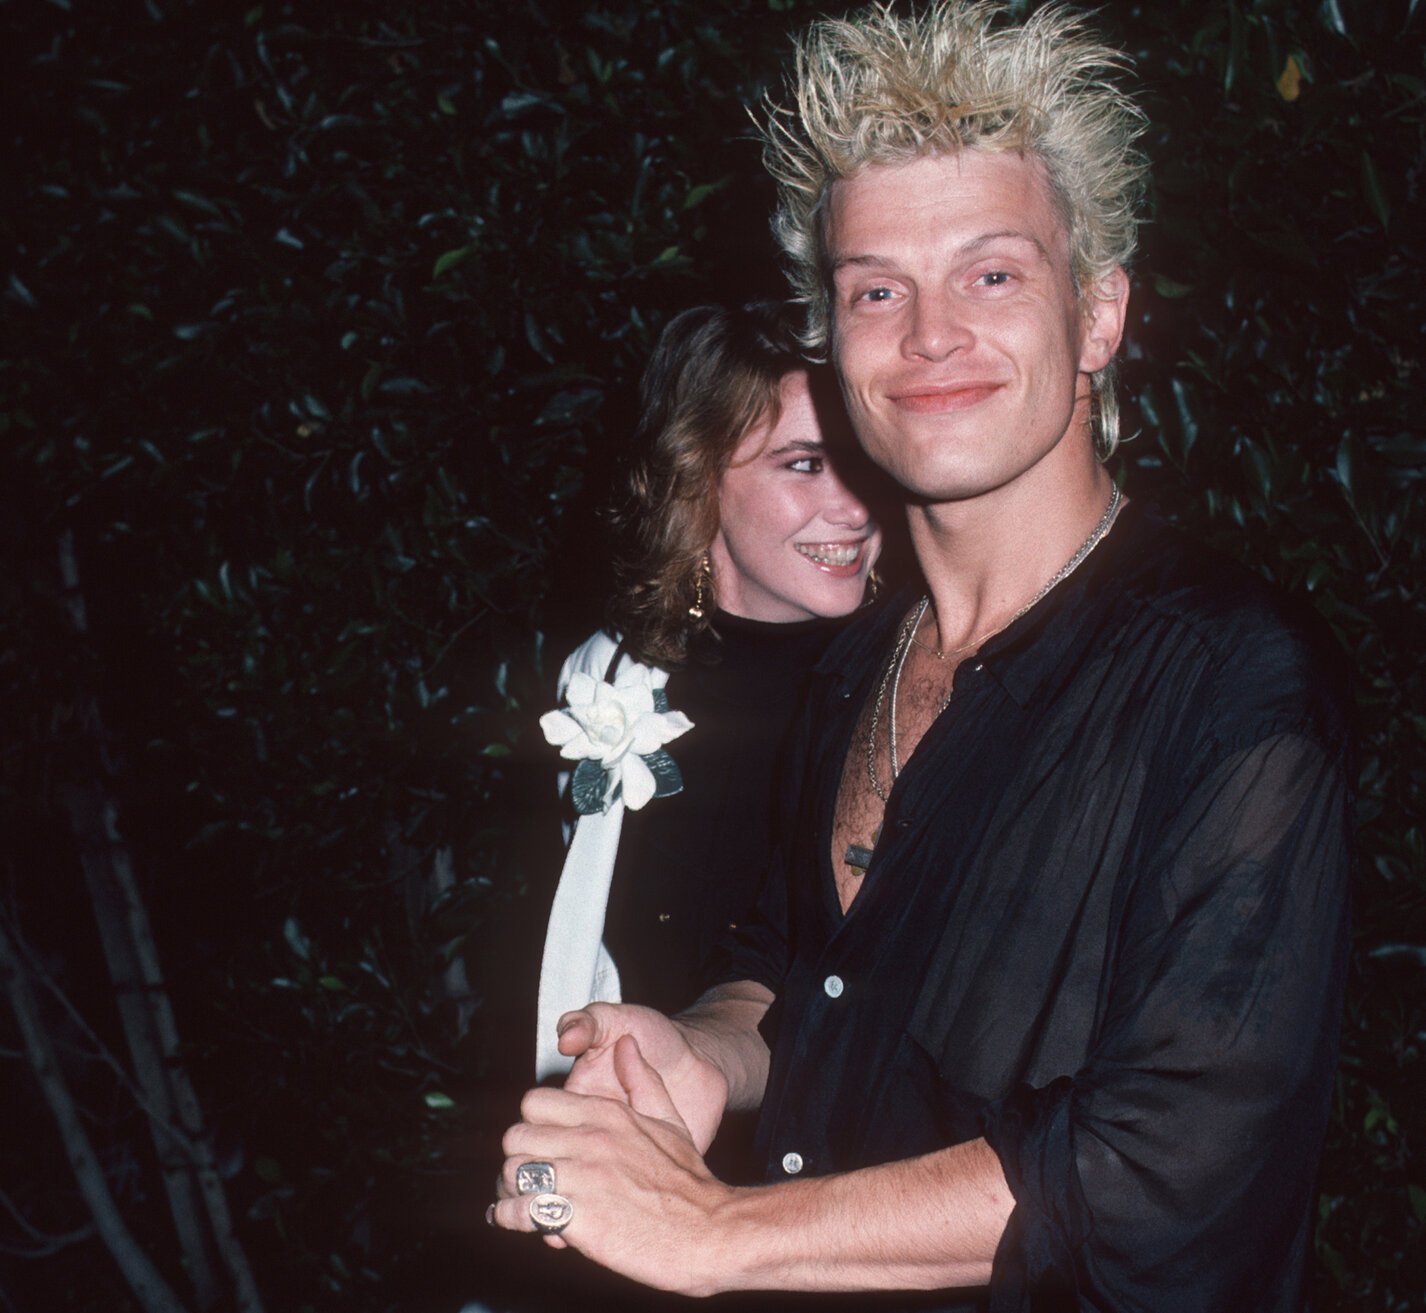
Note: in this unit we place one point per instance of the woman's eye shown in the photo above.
(806, 465)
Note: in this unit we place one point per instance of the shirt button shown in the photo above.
(663, 916)
(792, 1163)
(833, 986)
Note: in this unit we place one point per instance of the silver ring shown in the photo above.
(535, 1178)
(550, 1213)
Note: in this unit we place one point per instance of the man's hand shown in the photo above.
(692, 1088)
(642, 1196)
(645, 1205)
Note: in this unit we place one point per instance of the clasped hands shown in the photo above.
(625, 1137)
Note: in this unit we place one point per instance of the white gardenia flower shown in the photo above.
(615, 725)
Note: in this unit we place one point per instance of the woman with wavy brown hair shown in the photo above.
(742, 546)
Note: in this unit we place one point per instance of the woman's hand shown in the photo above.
(694, 1086)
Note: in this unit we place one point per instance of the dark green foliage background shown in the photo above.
(320, 325)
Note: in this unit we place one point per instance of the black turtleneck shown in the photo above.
(691, 865)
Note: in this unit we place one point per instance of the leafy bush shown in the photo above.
(320, 334)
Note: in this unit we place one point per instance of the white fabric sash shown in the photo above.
(577, 968)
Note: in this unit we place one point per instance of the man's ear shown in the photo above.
(1105, 308)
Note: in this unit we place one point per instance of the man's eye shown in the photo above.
(995, 278)
(877, 294)
(806, 465)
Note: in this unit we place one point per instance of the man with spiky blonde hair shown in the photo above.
(1041, 1011)
(887, 92)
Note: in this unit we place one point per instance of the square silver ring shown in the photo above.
(535, 1178)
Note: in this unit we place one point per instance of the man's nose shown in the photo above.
(935, 329)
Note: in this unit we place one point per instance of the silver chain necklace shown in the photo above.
(891, 678)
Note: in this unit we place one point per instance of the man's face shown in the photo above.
(963, 349)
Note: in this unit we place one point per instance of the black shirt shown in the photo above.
(691, 865)
(1105, 927)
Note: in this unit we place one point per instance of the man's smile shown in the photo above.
(940, 399)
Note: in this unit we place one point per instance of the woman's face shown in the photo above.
(794, 541)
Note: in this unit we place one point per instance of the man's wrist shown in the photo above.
(755, 1239)
(722, 1030)
(730, 1249)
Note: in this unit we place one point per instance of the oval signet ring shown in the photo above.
(550, 1213)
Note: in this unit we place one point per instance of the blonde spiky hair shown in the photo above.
(876, 88)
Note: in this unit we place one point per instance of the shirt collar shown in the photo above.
(1051, 637)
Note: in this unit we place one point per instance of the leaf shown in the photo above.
(1333, 1261)
(536, 338)
(1237, 46)
(435, 1099)
(21, 293)
(1289, 82)
(1169, 289)
(296, 940)
(197, 202)
(1185, 415)
(1260, 468)
(1330, 12)
(451, 259)
(1372, 189)
(1400, 952)
(521, 102)
(587, 787)
(697, 195)
(668, 779)
(1344, 464)
(661, 700)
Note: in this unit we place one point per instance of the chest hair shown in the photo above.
(922, 691)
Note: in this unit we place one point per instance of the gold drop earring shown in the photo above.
(702, 577)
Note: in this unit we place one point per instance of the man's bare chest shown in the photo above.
(912, 689)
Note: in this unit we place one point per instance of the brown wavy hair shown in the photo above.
(715, 373)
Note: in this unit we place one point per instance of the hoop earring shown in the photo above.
(702, 577)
